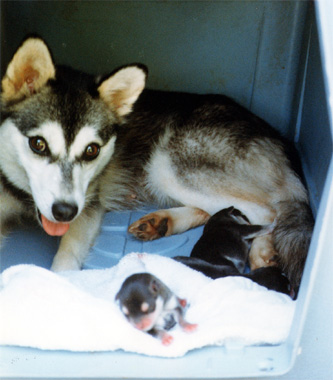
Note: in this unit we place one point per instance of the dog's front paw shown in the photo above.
(150, 227)
(65, 263)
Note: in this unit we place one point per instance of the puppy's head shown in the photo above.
(58, 129)
(140, 300)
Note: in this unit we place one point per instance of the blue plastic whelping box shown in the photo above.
(273, 57)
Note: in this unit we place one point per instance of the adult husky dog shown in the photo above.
(74, 146)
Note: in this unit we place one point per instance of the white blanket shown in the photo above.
(76, 311)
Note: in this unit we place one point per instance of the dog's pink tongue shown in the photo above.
(54, 229)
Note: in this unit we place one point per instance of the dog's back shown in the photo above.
(207, 152)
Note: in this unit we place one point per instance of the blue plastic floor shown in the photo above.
(30, 245)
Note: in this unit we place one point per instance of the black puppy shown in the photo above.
(149, 305)
(223, 250)
(270, 277)
(210, 270)
(226, 239)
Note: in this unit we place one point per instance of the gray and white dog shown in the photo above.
(74, 146)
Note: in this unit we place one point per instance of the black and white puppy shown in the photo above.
(150, 306)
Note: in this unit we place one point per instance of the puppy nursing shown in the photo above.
(226, 238)
(223, 250)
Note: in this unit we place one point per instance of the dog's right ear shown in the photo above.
(122, 89)
(29, 70)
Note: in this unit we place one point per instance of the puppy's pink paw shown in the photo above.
(182, 302)
(189, 327)
(167, 339)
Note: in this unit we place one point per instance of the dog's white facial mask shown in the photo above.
(67, 178)
(60, 177)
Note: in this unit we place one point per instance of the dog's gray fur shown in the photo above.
(195, 153)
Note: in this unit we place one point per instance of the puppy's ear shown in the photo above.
(122, 89)
(154, 286)
(29, 70)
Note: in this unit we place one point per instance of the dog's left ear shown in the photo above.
(122, 89)
(29, 70)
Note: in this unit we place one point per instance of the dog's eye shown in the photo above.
(38, 145)
(91, 152)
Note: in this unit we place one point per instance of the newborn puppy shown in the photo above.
(270, 277)
(150, 306)
(223, 251)
(226, 239)
(210, 270)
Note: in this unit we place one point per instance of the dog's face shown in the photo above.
(58, 132)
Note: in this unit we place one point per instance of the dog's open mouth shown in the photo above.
(52, 228)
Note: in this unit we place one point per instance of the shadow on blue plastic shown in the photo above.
(115, 221)
(114, 241)
(28, 245)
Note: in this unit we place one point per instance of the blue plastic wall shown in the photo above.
(248, 50)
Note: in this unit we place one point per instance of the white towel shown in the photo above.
(76, 311)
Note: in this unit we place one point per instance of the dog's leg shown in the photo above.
(75, 244)
(10, 211)
(168, 222)
(262, 253)
(3, 232)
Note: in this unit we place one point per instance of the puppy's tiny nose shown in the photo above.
(64, 212)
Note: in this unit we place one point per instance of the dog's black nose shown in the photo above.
(64, 212)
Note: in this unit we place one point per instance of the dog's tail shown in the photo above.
(292, 236)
